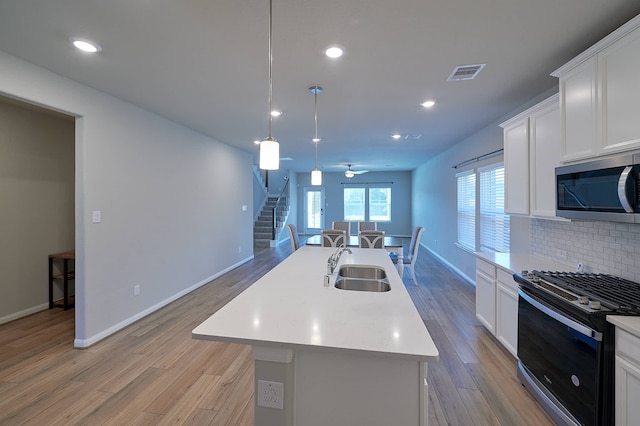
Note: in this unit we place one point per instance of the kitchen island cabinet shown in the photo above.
(330, 356)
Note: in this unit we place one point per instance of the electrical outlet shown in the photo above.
(239, 249)
(270, 394)
(136, 290)
(562, 254)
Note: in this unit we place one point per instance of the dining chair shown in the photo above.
(345, 226)
(409, 260)
(293, 237)
(333, 238)
(367, 226)
(371, 239)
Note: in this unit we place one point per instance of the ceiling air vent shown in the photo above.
(465, 72)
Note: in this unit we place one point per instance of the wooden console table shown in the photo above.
(66, 276)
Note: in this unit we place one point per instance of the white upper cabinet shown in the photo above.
(516, 167)
(599, 92)
(578, 100)
(545, 152)
(619, 67)
(531, 154)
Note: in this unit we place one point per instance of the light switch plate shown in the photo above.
(96, 216)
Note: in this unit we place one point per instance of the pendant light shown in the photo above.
(269, 147)
(316, 174)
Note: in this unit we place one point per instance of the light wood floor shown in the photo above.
(152, 372)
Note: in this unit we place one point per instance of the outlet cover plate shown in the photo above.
(270, 394)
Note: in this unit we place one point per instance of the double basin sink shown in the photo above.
(362, 278)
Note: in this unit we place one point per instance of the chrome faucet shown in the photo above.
(333, 260)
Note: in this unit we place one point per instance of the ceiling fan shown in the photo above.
(351, 173)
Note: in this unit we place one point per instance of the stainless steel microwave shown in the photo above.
(605, 189)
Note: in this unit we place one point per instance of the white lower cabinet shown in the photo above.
(507, 311)
(497, 303)
(486, 294)
(627, 371)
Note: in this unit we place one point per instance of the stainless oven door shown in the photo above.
(561, 354)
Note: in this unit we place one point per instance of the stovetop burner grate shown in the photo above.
(614, 292)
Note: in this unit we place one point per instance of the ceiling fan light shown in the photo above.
(349, 174)
(269, 154)
(316, 177)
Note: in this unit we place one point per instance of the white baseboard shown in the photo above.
(24, 313)
(450, 266)
(84, 343)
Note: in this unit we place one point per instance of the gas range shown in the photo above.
(589, 293)
(565, 344)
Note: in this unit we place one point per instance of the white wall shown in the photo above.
(170, 200)
(400, 224)
(434, 195)
(37, 199)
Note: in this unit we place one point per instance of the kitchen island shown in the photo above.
(342, 356)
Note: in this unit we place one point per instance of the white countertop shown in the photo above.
(628, 323)
(516, 262)
(290, 308)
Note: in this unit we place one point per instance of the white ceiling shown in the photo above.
(203, 63)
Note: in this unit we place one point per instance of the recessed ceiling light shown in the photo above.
(85, 45)
(396, 136)
(428, 104)
(257, 142)
(334, 51)
(316, 140)
(276, 113)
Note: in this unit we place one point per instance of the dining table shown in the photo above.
(391, 244)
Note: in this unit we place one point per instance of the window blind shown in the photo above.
(466, 183)
(494, 224)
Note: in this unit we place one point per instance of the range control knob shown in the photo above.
(524, 273)
(595, 305)
(584, 300)
(535, 279)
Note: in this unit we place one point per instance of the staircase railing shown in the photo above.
(280, 199)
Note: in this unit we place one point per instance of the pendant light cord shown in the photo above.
(316, 118)
(270, 65)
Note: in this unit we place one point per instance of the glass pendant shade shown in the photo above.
(316, 177)
(269, 154)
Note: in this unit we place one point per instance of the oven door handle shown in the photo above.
(581, 328)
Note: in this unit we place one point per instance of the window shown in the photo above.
(494, 224)
(354, 204)
(367, 204)
(380, 204)
(481, 195)
(466, 183)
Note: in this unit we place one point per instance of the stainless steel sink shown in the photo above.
(362, 284)
(362, 271)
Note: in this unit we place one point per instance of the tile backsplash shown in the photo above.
(607, 247)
